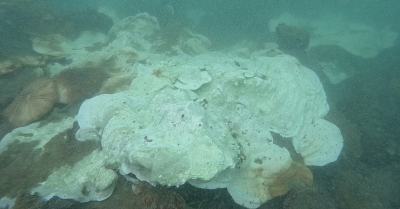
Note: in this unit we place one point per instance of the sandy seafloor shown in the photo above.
(365, 106)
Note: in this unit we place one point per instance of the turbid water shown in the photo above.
(56, 55)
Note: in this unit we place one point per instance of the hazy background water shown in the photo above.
(225, 21)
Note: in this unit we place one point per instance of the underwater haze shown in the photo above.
(237, 20)
(278, 104)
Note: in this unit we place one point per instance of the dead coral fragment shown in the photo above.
(32, 103)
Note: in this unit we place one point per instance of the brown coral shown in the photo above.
(32, 103)
(78, 84)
